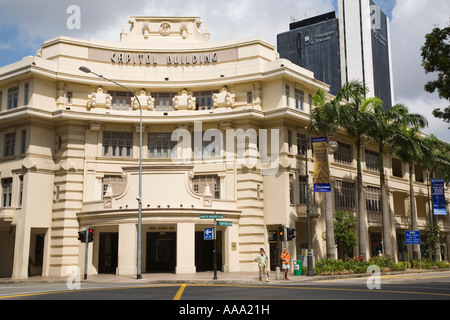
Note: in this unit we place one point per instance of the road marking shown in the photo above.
(17, 295)
(179, 293)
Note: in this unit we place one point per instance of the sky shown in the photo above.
(26, 24)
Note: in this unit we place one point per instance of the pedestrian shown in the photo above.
(262, 260)
(285, 262)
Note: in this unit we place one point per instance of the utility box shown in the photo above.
(297, 268)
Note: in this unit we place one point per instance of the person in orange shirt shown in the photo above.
(285, 262)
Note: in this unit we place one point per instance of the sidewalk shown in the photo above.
(230, 278)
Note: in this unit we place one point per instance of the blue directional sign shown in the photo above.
(412, 237)
(208, 234)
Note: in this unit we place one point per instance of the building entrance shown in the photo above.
(204, 252)
(108, 252)
(161, 251)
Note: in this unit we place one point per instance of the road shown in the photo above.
(411, 286)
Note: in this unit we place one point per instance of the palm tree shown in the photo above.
(353, 119)
(385, 126)
(435, 158)
(325, 111)
(408, 146)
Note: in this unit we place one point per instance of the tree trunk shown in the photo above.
(362, 213)
(329, 219)
(412, 204)
(387, 239)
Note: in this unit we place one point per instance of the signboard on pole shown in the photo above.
(437, 186)
(321, 177)
(208, 234)
(412, 237)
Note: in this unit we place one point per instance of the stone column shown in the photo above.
(231, 250)
(185, 248)
(127, 251)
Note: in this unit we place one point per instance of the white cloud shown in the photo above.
(411, 21)
(37, 21)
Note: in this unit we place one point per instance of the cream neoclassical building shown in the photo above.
(70, 152)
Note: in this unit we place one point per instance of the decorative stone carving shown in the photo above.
(99, 99)
(146, 29)
(147, 102)
(184, 30)
(165, 29)
(184, 102)
(223, 99)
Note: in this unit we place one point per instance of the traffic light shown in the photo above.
(91, 235)
(281, 233)
(82, 236)
(290, 232)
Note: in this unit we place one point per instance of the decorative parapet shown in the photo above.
(147, 102)
(99, 99)
(223, 99)
(184, 101)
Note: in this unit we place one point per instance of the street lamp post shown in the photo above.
(333, 145)
(139, 197)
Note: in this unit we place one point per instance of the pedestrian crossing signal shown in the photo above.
(91, 235)
(290, 234)
(281, 233)
(82, 236)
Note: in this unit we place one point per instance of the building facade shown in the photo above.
(70, 144)
(354, 46)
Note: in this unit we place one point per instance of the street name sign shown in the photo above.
(224, 223)
(211, 216)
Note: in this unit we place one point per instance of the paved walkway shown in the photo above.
(235, 278)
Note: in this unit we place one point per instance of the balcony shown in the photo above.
(7, 214)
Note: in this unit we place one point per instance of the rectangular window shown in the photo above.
(301, 144)
(6, 192)
(372, 159)
(160, 145)
(343, 154)
(20, 190)
(373, 199)
(288, 95)
(249, 97)
(26, 94)
(199, 183)
(204, 100)
(291, 189)
(302, 187)
(397, 168)
(418, 173)
(10, 144)
(121, 100)
(344, 195)
(23, 142)
(299, 99)
(289, 140)
(69, 98)
(117, 144)
(163, 100)
(13, 97)
(1, 100)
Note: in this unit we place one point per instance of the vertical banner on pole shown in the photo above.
(437, 186)
(321, 176)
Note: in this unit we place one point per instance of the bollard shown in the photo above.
(278, 274)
